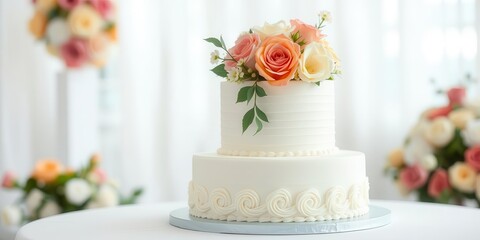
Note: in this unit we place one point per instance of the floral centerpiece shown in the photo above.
(79, 32)
(440, 159)
(277, 53)
(52, 189)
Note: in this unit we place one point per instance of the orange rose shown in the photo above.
(38, 24)
(277, 59)
(47, 170)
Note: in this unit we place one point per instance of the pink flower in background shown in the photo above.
(8, 180)
(456, 95)
(413, 177)
(308, 33)
(104, 7)
(472, 157)
(100, 175)
(244, 48)
(69, 4)
(439, 112)
(74, 52)
(438, 183)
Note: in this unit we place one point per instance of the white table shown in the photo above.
(143, 222)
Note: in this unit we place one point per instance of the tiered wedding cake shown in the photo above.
(288, 169)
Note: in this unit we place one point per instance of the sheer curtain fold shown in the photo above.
(165, 103)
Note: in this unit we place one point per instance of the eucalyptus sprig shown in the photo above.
(255, 113)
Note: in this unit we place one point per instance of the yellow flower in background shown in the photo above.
(84, 21)
(45, 5)
(112, 34)
(461, 117)
(462, 177)
(53, 50)
(38, 24)
(47, 170)
(395, 158)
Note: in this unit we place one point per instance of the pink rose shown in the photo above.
(244, 48)
(8, 180)
(413, 177)
(438, 183)
(74, 52)
(69, 4)
(308, 33)
(439, 112)
(104, 7)
(472, 157)
(100, 175)
(456, 95)
(277, 59)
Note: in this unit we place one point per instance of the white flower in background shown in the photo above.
(33, 200)
(93, 205)
(325, 16)
(440, 132)
(11, 216)
(471, 133)
(477, 191)
(429, 162)
(461, 117)
(58, 32)
(107, 196)
(462, 177)
(315, 64)
(474, 105)
(235, 74)
(277, 28)
(49, 209)
(420, 128)
(214, 57)
(416, 149)
(78, 191)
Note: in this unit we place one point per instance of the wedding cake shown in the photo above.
(288, 168)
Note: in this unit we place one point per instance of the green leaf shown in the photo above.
(261, 114)
(259, 125)
(220, 70)
(260, 91)
(250, 93)
(223, 42)
(317, 83)
(242, 94)
(248, 119)
(214, 41)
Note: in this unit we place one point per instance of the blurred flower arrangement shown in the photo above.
(440, 159)
(51, 189)
(79, 32)
(277, 53)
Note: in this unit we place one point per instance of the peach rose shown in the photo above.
(38, 24)
(396, 158)
(308, 33)
(413, 177)
(277, 59)
(438, 183)
(97, 48)
(462, 177)
(472, 157)
(45, 6)
(47, 170)
(244, 48)
(84, 21)
(438, 112)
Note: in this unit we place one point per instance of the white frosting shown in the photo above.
(301, 121)
(288, 189)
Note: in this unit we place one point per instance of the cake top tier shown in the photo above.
(277, 54)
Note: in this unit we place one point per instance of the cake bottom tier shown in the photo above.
(273, 189)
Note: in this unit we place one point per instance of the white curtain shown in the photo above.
(160, 104)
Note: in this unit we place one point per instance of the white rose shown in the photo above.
(461, 117)
(49, 209)
(429, 162)
(11, 216)
(78, 191)
(58, 32)
(277, 28)
(93, 205)
(474, 105)
(316, 63)
(33, 200)
(416, 149)
(107, 196)
(420, 128)
(471, 133)
(440, 132)
(462, 177)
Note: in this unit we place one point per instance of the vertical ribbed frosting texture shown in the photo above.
(301, 120)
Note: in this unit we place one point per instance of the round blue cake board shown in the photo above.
(377, 217)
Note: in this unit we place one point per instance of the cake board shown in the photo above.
(377, 217)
